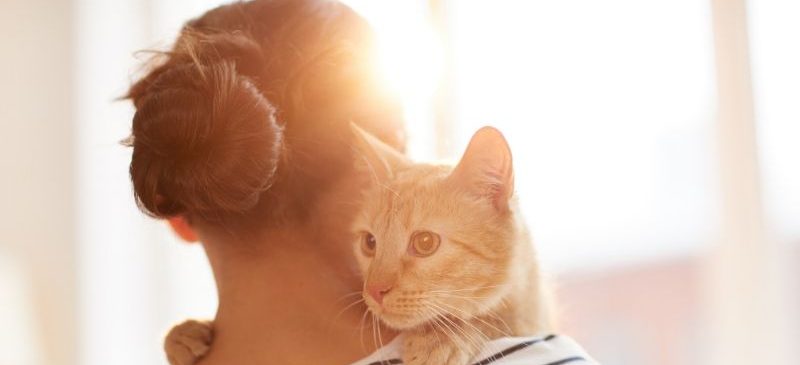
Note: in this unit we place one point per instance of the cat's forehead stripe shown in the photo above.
(409, 204)
(414, 194)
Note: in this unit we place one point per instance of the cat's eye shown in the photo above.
(368, 244)
(424, 243)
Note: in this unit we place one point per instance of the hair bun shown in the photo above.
(217, 47)
(205, 142)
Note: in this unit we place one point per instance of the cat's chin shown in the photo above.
(400, 322)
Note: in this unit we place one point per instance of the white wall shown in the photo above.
(135, 279)
(86, 278)
(37, 165)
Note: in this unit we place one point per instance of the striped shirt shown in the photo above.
(546, 350)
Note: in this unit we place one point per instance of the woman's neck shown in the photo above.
(296, 302)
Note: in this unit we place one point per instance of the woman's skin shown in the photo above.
(282, 296)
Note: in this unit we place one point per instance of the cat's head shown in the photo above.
(433, 240)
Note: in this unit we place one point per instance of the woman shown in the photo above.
(242, 140)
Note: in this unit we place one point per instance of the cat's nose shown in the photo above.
(378, 291)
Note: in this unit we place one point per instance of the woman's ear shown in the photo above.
(485, 169)
(182, 228)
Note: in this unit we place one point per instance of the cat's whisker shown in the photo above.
(471, 340)
(467, 320)
(447, 331)
(476, 301)
(494, 315)
(482, 306)
(361, 329)
(448, 295)
(380, 336)
(467, 289)
(476, 331)
(474, 337)
(478, 318)
(492, 312)
(346, 308)
(334, 319)
(374, 335)
(435, 321)
(348, 295)
(486, 310)
(451, 334)
(436, 333)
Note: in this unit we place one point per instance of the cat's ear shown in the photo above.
(377, 158)
(485, 168)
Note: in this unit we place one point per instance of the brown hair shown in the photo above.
(247, 116)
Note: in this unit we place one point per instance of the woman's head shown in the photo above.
(245, 123)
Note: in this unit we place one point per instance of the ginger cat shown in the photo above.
(445, 256)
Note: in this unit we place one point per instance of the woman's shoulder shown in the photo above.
(540, 350)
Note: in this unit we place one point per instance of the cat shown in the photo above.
(444, 254)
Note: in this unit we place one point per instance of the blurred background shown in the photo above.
(657, 147)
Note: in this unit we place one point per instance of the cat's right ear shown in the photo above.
(375, 157)
(486, 169)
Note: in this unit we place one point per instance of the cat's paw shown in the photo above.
(187, 342)
(418, 350)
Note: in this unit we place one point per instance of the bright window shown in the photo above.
(607, 105)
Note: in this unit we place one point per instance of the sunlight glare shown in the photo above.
(409, 61)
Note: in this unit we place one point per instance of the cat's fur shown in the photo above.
(481, 283)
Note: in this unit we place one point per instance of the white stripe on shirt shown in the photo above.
(545, 350)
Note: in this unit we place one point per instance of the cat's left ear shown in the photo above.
(486, 169)
(374, 156)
